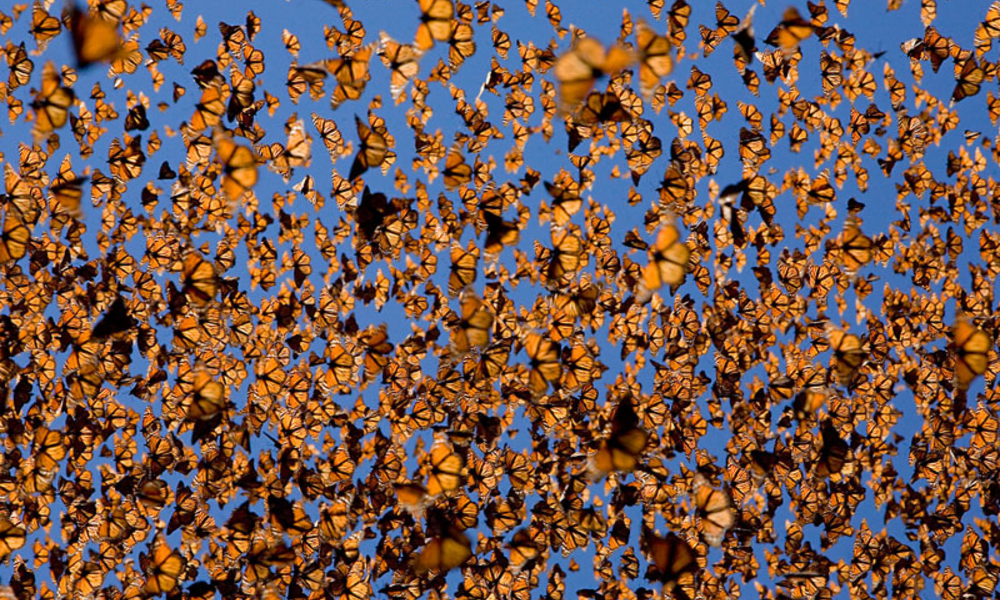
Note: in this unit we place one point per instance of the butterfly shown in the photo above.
(654, 56)
(677, 20)
(456, 171)
(668, 258)
(447, 470)
(672, 560)
(523, 549)
(969, 77)
(44, 26)
(239, 166)
(374, 149)
(451, 549)
(461, 44)
(116, 320)
(200, 282)
(577, 70)
(21, 67)
(94, 39)
(14, 239)
(473, 329)
(352, 74)
(715, 512)
(833, 454)
(52, 103)
(971, 346)
(209, 398)
(856, 248)
(849, 354)
(164, 569)
(545, 365)
(791, 31)
(436, 18)
(403, 62)
(412, 497)
(622, 449)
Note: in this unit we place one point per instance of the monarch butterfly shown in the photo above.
(545, 365)
(655, 60)
(473, 329)
(753, 147)
(444, 553)
(456, 172)
(352, 74)
(969, 77)
(126, 160)
(791, 31)
(116, 320)
(624, 446)
(492, 363)
(715, 511)
(936, 46)
(671, 559)
(200, 283)
(21, 67)
(14, 240)
(209, 398)
(601, 107)
(566, 255)
(412, 497)
(461, 44)
(833, 454)
(971, 348)
(303, 78)
(523, 549)
(169, 44)
(239, 174)
(500, 233)
(578, 69)
(288, 516)
(566, 199)
(646, 149)
(377, 350)
(52, 103)
(856, 248)
(833, 73)
(699, 81)
(677, 21)
(435, 23)
(136, 119)
(373, 151)
(44, 26)
(94, 40)
(164, 569)
(403, 62)
(447, 470)
(297, 152)
(668, 259)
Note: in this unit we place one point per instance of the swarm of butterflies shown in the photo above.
(231, 369)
